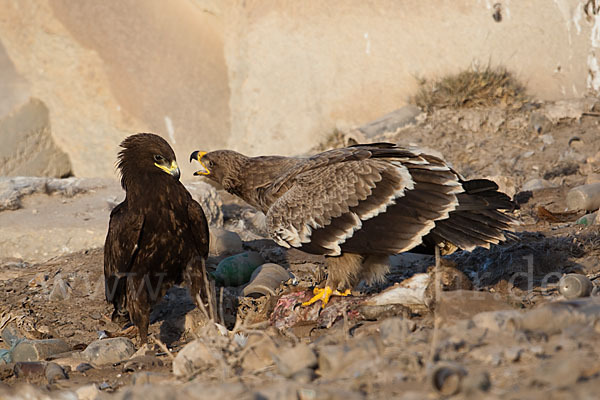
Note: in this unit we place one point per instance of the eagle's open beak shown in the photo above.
(172, 170)
(197, 155)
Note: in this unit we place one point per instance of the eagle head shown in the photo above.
(221, 166)
(146, 155)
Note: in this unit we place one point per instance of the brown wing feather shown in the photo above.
(193, 274)
(364, 206)
(120, 250)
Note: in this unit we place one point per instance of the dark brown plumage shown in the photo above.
(157, 237)
(359, 204)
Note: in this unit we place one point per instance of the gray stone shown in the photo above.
(464, 304)
(539, 123)
(60, 290)
(54, 372)
(535, 184)
(196, 356)
(567, 109)
(87, 392)
(27, 144)
(150, 378)
(224, 242)
(35, 350)
(108, 351)
(345, 361)
(498, 320)
(259, 353)
(294, 359)
(393, 331)
(391, 122)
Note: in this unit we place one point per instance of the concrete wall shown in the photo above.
(267, 76)
(299, 69)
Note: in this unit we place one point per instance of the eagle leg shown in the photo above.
(324, 295)
(129, 331)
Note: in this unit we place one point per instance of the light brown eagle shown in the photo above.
(360, 204)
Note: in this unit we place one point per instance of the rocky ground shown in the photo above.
(487, 324)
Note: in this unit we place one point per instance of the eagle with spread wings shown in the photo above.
(157, 237)
(360, 204)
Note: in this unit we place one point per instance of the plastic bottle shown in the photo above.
(584, 197)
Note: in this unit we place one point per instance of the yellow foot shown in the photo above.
(324, 295)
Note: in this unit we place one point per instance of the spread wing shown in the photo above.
(368, 199)
(120, 250)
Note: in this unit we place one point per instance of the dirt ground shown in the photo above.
(549, 351)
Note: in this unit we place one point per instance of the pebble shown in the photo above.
(54, 372)
(294, 359)
(498, 321)
(374, 313)
(237, 270)
(83, 367)
(464, 304)
(87, 392)
(265, 279)
(560, 372)
(195, 356)
(513, 354)
(11, 334)
(393, 331)
(476, 381)
(343, 361)
(592, 178)
(60, 290)
(573, 286)
(547, 139)
(29, 369)
(34, 350)
(539, 123)
(259, 354)
(141, 362)
(223, 242)
(108, 351)
(535, 184)
(150, 378)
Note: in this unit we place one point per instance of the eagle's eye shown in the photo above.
(159, 158)
(210, 164)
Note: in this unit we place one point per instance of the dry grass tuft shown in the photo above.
(472, 88)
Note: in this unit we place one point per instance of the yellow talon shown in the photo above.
(324, 295)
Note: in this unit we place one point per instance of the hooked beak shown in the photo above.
(173, 169)
(197, 155)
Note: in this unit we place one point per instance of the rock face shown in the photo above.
(27, 144)
(265, 76)
(105, 72)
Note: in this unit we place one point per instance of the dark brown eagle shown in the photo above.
(157, 237)
(358, 205)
